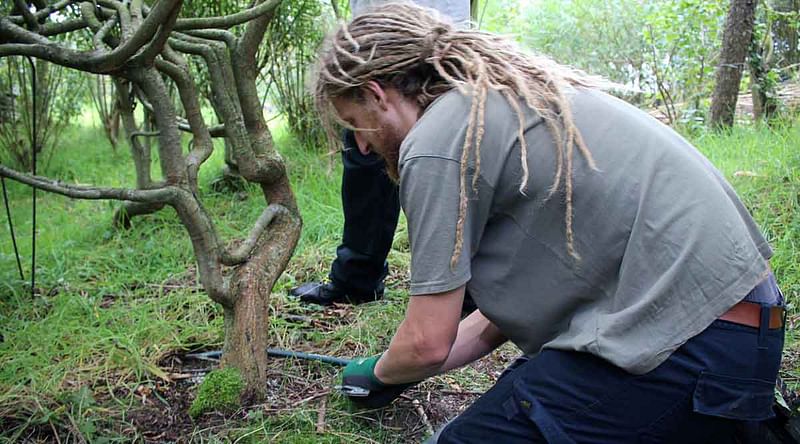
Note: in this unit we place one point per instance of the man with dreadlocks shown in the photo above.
(597, 240)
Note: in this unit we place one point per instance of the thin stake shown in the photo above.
(33, 155)
(11, 228)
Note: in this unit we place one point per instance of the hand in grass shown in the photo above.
(360, 372)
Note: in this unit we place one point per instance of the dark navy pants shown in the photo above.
(371, 208)
(721, 378)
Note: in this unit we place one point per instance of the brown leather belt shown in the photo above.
(749, 313)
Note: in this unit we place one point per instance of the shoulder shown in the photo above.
(442, 128)
(436, 131)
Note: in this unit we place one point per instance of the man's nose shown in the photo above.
(363, 145)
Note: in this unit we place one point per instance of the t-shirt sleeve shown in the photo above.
(429, 194)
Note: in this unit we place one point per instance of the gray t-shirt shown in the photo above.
(666, 246)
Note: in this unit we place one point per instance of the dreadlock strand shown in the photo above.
(568, 213)
(579, 142)
(327, 74)
(577, 139)
(344, 73)
(462, 197)
(480, 121)
(559, 152)
(439, 66)
(343, 28)
(523, 145)
(349, 55)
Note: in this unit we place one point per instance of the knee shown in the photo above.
(447, 434)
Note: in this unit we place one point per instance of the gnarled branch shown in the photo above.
(99, 62)
(240, 254)
(254, 34)
(44, 12)
(215, 131)
(152, 49)
(27, 15)
(177, 68)
(228, 21)
(166, 194)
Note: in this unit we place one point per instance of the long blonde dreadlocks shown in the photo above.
(410, 48)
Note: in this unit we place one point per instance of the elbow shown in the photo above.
(431, 354)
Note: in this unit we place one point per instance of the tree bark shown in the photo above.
(141, 160)
(247, 323)
(735, 42)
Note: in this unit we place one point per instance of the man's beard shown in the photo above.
(392, 158)
(390, 144)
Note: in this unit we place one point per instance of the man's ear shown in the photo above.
(374, 91)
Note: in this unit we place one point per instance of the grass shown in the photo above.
(763, 165)
(116, 309)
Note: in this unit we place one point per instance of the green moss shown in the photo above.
(219, 391)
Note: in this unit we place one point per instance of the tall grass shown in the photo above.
(763, 165)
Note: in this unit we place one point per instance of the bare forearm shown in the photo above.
(404, 362)
(424, 339)
(476, 338)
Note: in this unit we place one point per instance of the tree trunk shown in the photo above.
(735, 42)
(247, 322)
(141, 159)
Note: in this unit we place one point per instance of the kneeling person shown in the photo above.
(597, 240)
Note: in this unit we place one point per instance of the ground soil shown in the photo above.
(161, 415)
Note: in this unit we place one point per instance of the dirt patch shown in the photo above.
(161, 414)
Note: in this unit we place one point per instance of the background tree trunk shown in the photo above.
(140, 152)
(736, 40)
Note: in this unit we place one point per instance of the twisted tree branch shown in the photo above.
(221, 35)
(228, 21)
(215, 131)
(99, 62)
(57, 28)
(136, 134)
(44, 12)
(240, 254)
(166, 194)
(27, 15)
(152, 49)
(254, 32)
(178, 70)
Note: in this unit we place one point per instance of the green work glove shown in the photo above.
(360, 374)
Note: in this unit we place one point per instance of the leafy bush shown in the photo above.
(58, 91)
(289, 51)
(665, 50)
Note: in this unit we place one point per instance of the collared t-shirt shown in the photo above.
(665, 244)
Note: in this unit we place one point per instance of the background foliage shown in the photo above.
(59, 97)
(287, 58)
(664, 51)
